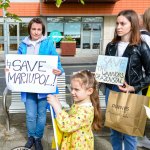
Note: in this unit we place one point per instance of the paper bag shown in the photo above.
(126, 113)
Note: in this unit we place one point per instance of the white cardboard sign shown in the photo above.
(31, 73)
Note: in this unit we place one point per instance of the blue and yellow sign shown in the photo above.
(111, 69)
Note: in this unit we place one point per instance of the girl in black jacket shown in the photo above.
(127, 43)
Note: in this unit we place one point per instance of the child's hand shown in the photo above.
(52, 99)
(57, 72)
(54, 102)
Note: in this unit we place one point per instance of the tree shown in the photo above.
(59, 2)
(4, 4)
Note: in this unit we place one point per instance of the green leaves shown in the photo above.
(82, 2)
(59, 2)
(13, 16)
(4, 4)
(68, 38)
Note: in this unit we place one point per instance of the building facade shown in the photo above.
(91, 24)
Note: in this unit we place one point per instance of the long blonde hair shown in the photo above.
(146, 19)
(88, 80)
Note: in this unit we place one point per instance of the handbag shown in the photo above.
(126, 113)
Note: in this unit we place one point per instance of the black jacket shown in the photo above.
(138, 57)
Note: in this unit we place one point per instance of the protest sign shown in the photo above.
(111, 69)
(31, 73)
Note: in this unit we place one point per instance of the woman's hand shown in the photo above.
(126, 88)
(54, 102)
(57, 72)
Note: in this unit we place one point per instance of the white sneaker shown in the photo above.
(143, 142)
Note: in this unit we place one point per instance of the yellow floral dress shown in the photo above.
(76, 126)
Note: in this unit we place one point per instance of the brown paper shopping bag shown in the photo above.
(126, 113)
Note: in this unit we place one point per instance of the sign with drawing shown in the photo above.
(111, 69)
(30, 73)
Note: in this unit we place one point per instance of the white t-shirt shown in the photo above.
(121, 48)
(34, 42)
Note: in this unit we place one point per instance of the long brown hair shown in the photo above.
(146, 19)
(88, 80)
(132, 16)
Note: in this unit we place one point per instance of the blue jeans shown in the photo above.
(118, 138)
(35, 115)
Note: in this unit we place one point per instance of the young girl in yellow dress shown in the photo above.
(84, 115)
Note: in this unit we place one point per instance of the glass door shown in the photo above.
(86, 36)
(13, 40)
(95, 36)
(91, 34)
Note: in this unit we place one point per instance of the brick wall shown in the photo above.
(24, 9)
(95, 9)
(77, 9)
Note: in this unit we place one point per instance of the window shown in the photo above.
(55, 26)
(92, 19)
(74, 30)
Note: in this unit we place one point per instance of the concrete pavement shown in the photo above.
(17, 136)
(86, 57)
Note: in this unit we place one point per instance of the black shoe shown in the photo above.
(30, 142)
(38, 144)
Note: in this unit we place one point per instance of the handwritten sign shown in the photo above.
(31, 73)
(111, 69)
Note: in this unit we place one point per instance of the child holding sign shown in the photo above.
(83, 116)
(127, 43)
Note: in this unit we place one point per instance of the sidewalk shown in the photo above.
(86, 60)
(17, 135)
(81, 57)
